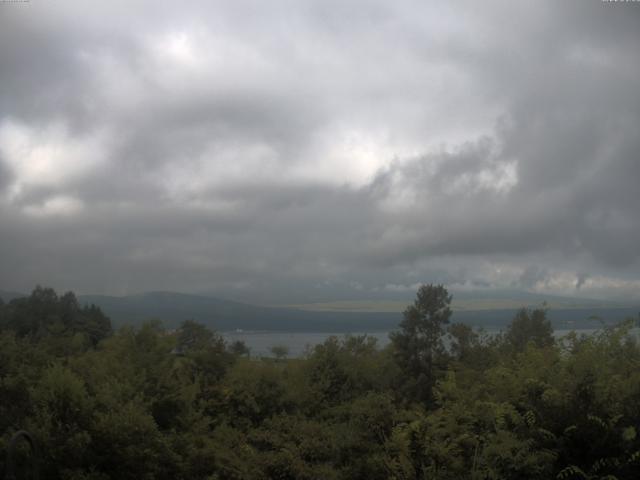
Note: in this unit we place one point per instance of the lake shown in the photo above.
(298, 343)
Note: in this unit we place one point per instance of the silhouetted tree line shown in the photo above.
(44, 314)
(147, 403)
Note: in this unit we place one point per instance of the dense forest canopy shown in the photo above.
(151, 403)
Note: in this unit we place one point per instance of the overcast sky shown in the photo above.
(300, 150)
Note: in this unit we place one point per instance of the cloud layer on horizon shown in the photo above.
(311, 150)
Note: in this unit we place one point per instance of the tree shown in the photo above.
(44, 314)
(419, 342)
(464, 339)
(206, 352)
(239, 348)
(530, 326)
(280, 351)
(194, 336)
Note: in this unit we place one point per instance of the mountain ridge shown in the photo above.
(227, 315)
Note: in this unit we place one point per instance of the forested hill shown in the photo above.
(223, 315)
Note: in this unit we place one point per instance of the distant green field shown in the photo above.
(457, 305)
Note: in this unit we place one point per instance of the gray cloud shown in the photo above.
(582, 278)
(304, 151)
(534, 274)
(6, 176)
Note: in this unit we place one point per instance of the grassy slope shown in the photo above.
(468, 304)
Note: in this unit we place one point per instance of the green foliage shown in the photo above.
(418, 345)
(280, 351)
(253, 392)
(340, 370)
(147, 403)
(239, 348)
(530, 326)
(45, 315)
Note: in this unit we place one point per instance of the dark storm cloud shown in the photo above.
(319, 148)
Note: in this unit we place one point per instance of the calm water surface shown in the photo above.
(299, 343)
